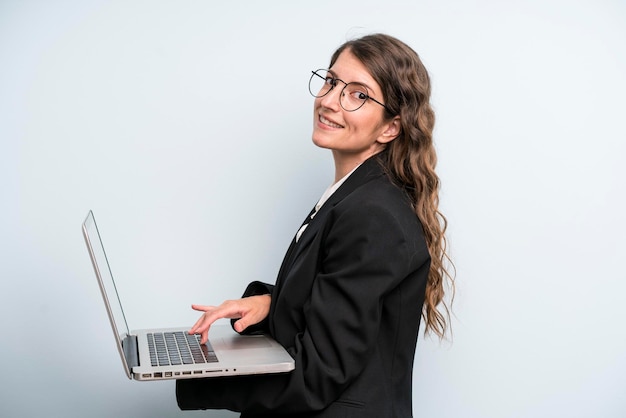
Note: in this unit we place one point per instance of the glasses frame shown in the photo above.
(334, 84)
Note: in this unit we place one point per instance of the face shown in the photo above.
(352, 136)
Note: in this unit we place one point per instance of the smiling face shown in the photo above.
(352, 136)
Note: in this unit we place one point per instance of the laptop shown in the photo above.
(158, 354)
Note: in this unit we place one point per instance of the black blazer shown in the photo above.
(347, 305)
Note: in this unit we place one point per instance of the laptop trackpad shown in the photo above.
(241, 342)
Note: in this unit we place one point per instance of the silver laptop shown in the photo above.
(157, 354)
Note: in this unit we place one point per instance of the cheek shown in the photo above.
(356, 122)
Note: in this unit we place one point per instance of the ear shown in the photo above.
(391, 130)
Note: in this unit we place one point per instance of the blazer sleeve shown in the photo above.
(255, 289)
(367, 251)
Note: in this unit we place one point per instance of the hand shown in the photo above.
(249, 311)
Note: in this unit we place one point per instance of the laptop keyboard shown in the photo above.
(177, 348)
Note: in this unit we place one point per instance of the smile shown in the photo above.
(329, 122)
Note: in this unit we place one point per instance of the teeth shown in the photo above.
(329, 123)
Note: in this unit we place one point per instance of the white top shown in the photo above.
(327, 194)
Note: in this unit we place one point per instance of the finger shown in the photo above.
(241, 325)
(203, 330)
(204, 337)
(228, 309)
(202, 308)
(206, 320)
(197, 327)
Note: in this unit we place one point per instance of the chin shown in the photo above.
(320, 142)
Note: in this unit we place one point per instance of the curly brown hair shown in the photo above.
(411, 157)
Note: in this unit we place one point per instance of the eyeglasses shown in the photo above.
(352, 97)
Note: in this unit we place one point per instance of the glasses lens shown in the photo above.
(354, 96)
(320, 83)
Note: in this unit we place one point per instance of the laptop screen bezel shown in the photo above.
(118, 322)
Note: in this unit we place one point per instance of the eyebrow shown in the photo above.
(359, 82)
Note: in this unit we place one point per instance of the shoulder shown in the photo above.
(378, 194)
(375, 222)
(378, 205)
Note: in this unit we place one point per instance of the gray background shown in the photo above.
(185, 125)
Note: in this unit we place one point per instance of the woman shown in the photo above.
(367, 263)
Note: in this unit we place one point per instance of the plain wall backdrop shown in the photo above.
(185, 125)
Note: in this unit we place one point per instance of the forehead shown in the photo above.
(349, 69)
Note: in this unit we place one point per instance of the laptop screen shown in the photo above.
(103, 271)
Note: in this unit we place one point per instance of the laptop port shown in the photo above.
(168, 374)
(186, 372)
(146, 375)
(158, 374)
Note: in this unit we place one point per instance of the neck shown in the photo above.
(346, 163)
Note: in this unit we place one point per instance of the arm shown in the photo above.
(366, 252)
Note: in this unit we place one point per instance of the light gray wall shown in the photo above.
(185, 126)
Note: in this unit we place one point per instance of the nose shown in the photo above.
(332, 98)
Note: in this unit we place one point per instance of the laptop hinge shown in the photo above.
(131, 351)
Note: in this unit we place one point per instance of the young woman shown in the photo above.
(367, 263)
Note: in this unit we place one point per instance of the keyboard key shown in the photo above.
(175, 348)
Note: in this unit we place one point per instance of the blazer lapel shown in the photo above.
(289, 256)
(369, 170)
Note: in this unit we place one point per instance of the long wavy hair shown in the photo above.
(411, 157)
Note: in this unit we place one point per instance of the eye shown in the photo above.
(331, 81)
(357, 91)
